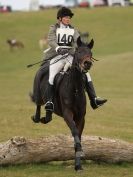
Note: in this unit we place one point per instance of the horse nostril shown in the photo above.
(87, 64)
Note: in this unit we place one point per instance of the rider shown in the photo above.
(62, 39)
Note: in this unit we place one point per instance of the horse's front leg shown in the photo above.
(36, 117)
(78, 149)
(68, 116)
(80, 126)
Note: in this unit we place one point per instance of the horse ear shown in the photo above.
(91, 44)
(79, 42)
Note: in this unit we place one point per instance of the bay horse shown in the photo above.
(70, 99)
(13, 43)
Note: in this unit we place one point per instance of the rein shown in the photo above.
(91, 58)
(45, 61)
(63, 57)
(77, 62)
(94, 59)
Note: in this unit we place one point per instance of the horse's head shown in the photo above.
(83, 55)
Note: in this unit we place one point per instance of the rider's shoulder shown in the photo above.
(70, 26)
(56, 25)
(74, 28)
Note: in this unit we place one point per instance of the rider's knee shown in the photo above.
(51, 80)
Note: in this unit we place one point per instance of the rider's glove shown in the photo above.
(62, 51)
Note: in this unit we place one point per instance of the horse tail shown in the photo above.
(32, 97)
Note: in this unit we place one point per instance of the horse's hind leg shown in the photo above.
(36, 117)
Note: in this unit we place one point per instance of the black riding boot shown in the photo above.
(49, 106)
(95, 102)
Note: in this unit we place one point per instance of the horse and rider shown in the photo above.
(61, 81)
(62, 39)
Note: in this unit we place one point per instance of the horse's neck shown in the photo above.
(77, 79)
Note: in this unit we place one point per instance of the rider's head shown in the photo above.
(64, 15)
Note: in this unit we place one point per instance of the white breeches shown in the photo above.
(56, 67)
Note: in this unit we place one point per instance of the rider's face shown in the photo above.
(65, 20)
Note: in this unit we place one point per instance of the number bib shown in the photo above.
(64, 36)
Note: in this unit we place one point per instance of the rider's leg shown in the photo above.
(95, 101)
(68, 63)
(55, 66)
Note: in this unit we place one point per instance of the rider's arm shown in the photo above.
(52, 41)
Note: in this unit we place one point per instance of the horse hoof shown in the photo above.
(78, 168)
(43, 120)
(34, 119)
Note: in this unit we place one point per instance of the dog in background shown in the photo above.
(13, 43)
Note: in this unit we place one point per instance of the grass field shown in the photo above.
(112, 30)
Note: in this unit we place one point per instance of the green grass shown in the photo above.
(65, 169)
(112, 31)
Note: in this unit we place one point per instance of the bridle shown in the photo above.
(84, 63)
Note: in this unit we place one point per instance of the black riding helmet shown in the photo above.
(63, 12)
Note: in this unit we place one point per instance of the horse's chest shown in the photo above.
(79, 96)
